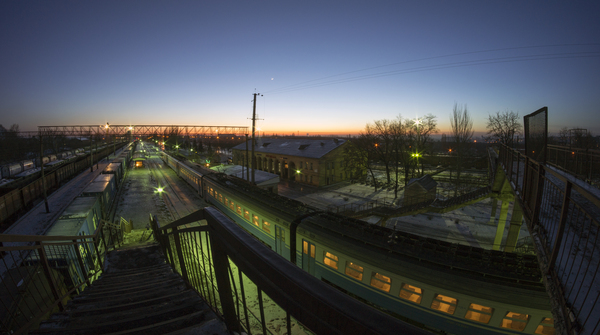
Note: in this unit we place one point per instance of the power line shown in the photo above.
(316, 83)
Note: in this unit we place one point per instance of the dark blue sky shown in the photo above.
(198, 62)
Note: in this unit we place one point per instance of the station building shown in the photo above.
(316, 162)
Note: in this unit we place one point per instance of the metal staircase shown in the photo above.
(139, 294)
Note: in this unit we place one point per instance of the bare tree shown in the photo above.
(400, 150)
(503, 127)
(356, 159)
(419, 133)
(462, 131)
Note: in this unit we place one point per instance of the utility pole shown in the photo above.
(253, 139)
(247, 164)
(43, 175)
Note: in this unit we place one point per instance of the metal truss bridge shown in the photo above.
(141, 130)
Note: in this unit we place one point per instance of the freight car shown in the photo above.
(442, 286)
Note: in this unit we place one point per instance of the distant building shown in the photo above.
(317, 162)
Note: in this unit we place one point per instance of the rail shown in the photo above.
(562, 213)
(257, 291)
(582, 163)
(41, 273)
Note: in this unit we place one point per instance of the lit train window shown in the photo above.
(239, 210)
(226, 202)
(220, 197)
(305, 249)
(246, 215)
(266, 226)
(255, 220)
(479, 313)
(411, 293)
(546, 327)
(330, 260)
(444, 304)
(381, 282)
(232, 206)
(515, 321)
(354, 271)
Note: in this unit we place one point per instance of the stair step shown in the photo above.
(148, 293)
(129, 284)
(94, 309)
(120, 321)
(128, 272)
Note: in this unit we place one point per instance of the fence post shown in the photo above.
(80, 260)
(98, 255)
(46, 267)
(184, 273)
(561, 227)
(221, 267)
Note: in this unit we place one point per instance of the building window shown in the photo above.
(444, 304)
(479, 313)
(301, 165)
(412, 293)
(255, 220)
(239, 210)
(330, 260)
(311, 179)
(354, 271)
(246, 215)
(311, 166)
(266, 226)
(546, 327)
(381, 282)
(516, 321)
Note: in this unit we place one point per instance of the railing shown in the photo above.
(41, 273)
(257, 291)
(582, 163)
(562, 212)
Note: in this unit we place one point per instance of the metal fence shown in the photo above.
(582, 163)
(562, 212)
(41, 273)
(257, 291)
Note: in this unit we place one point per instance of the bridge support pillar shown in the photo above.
(501, 224)
(516, 220)
(494, 209)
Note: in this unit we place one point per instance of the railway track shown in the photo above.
(177, 202)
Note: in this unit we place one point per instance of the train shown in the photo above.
(444, 287)
(17, 169)
(82, 217)
(20, 193)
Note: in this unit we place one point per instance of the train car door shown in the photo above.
(279, 240)
(308, 257)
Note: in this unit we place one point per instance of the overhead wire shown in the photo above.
(439, 67)
(316, 83)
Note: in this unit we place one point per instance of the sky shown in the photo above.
(321, 67)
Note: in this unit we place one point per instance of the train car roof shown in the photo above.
(110, 168)
(66, 227)
(97, 187)
(80, 207)
(104, 177)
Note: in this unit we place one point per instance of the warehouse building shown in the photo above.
(316, 162)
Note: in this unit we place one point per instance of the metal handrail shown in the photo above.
(208, 256)
(41, 273)
(562, 212)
